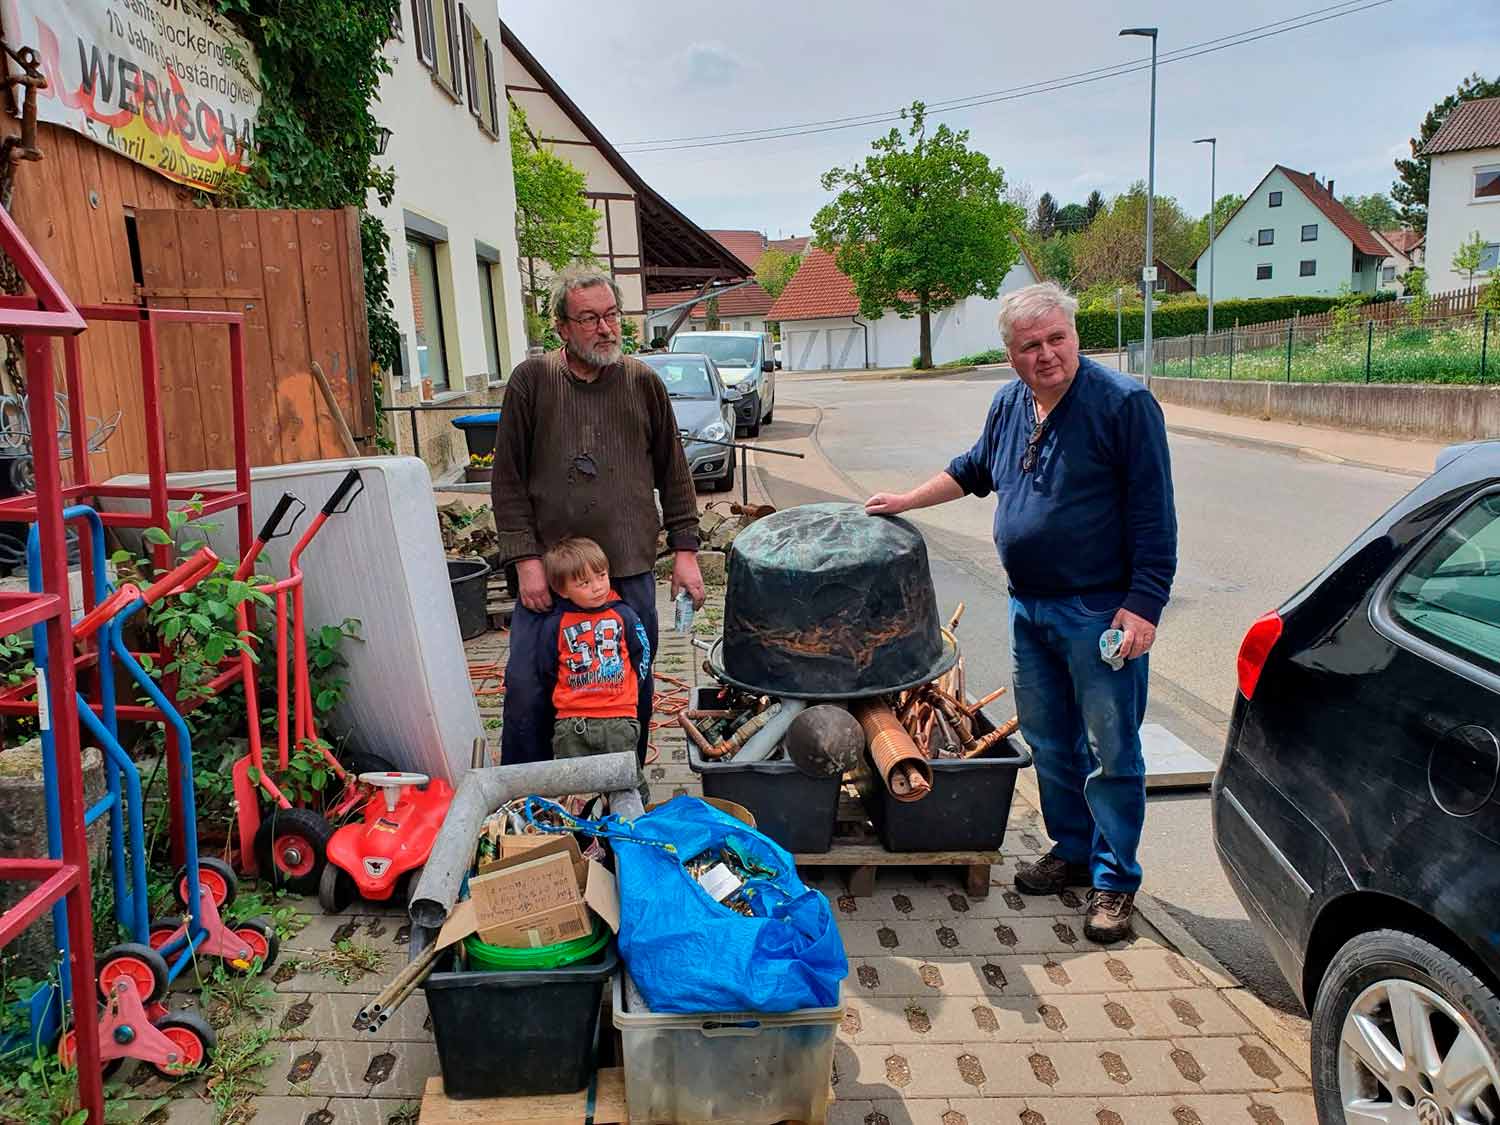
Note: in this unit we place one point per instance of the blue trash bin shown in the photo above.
(479, 430)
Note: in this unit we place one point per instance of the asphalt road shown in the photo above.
(1254, 526)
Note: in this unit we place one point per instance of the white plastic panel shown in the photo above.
(409, 697)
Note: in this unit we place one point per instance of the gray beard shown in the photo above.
(592, 357)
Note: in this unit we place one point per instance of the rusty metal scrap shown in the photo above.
(720, 734)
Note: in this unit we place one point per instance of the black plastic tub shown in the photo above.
(470, 581)
(966, 810)
(795, 810)
(508, 1034)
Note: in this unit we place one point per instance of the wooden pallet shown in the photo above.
(856, 847)
(498, 602)
(541, 1109)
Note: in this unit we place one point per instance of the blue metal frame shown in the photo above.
(123, 800)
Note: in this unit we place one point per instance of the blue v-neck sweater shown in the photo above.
(1096, 513)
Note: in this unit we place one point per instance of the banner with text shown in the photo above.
(170, 84)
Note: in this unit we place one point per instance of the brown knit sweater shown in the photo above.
(578, 458)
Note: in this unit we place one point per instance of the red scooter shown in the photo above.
(370, 859)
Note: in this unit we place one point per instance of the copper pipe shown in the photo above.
(958, 612)
(975, 708)
(999, 734)
(691, 728)
(903, 768)
(729, 745)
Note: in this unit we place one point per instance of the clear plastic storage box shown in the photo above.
(735, 1068)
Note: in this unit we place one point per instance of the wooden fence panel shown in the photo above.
(292, 275)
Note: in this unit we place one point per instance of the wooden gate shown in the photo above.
(299, 279)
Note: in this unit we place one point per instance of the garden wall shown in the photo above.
(1437, 413)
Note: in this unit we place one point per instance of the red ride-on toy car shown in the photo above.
(371, 858)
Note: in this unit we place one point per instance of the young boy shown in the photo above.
(594, 657)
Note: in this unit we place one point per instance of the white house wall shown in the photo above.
(452, 174)
(837, 343)
(1453, 215)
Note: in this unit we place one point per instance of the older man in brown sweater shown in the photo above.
(587, 439)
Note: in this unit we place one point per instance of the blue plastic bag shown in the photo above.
(690, 953)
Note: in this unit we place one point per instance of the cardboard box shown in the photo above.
(538, 896)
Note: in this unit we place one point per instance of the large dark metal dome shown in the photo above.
(826, 602)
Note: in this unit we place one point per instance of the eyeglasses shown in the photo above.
(590, 321)
(1033, 446)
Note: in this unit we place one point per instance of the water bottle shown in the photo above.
(682, 621)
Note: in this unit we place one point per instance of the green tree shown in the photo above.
(1113, 249)
(921, 224)
(1054, 258)
(711, 315)
(1489, 296)
(1094, 204)
(554, 222)
(775, 270)
(1413, 176)
(1375, 210)
(1046, 216)
(1073, 218)
(1469, 254)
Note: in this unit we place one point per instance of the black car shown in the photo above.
(704, 408)
(1356, 811)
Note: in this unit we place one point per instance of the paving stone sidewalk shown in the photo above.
(959, 1010)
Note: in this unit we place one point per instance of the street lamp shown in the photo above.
(1213, 202)
(1147, 281)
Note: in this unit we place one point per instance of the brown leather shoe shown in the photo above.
(1109, 916)
(1051, 874)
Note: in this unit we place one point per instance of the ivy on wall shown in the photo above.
(321, 64)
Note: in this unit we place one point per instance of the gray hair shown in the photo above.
(574, 278)
(1032, 302)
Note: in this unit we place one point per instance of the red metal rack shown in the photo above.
(37, 320)
(156, 492)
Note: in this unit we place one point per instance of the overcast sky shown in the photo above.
(1339, 99)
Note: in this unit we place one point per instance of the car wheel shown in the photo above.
(726, 482)
(1403, 1031)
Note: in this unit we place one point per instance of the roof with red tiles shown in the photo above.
(1402, 239)
(1471, 124)
(746, 245)
(794, 245)
(751, 300)
(1362, 236)
(818, 289)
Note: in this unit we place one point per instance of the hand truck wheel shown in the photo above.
(138, 963)
(260, 935)
(291, 847)
(193, 1038)
(216, 879)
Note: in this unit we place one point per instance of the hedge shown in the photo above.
(1096, 327)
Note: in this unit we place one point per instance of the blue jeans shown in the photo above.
(1082, 721)
(526, 735)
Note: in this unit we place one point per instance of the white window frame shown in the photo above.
(1491, 268)
(1474, 197)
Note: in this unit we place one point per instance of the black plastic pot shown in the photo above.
(795, 810)
(470, 581)
(479, 430)
(966, 810)
(508, 1034)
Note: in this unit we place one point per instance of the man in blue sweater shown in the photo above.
(1084, 522)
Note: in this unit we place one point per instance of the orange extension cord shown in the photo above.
(488, 679)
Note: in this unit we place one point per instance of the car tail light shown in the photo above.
(1255, 649)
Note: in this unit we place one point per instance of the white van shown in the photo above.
(747, 367)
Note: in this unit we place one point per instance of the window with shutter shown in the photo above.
(492, 101)
(421, 30)
(455, 51)
(466, 28)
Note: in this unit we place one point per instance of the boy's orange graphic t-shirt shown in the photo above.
(597, 675)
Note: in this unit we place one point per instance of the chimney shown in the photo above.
(1330, 187)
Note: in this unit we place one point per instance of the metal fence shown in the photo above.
(1454, 349)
